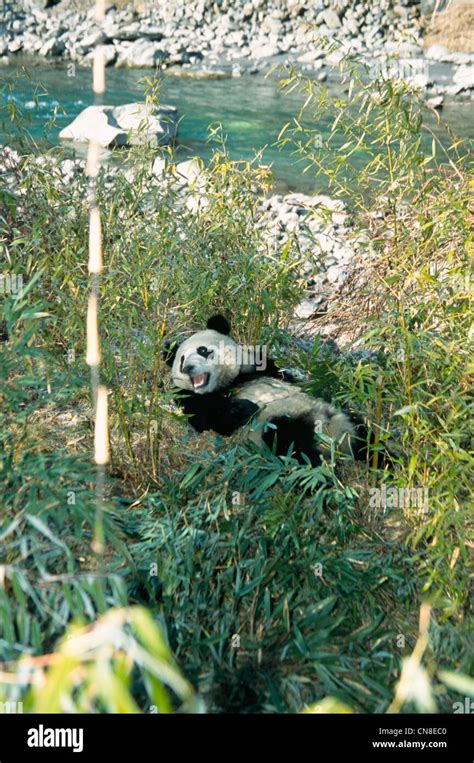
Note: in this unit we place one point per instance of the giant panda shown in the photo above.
(218, 391)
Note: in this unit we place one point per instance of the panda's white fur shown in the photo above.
(220, 368)
(224, 394)
(277, 398)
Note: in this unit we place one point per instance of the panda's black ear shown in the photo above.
(219, 323)
(169, 352)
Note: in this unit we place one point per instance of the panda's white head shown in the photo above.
(208, 360)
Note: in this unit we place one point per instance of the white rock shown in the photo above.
(437, 52)
(92, 39)
(343, 253)
(351, 26)
(191, 172)
(14, 46)
(403, 48)
(52, 47)
(265, 51)
(9, 159)
(310, 56)
(141, 53)
(454, 89)
(68, 167)
(130, 124)
(92, 124)
(306, 308)
(325, 243)
(120, 32)
(330, 18)
(197, 202)
(435, 102)
(336, 274)
(335, 57)
(110, 54)
(461, 58)
(465, 77)
(159, 167)
(419, 80)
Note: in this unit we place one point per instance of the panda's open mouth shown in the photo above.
(200, 381)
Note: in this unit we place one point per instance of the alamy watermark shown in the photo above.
(466, 706)
(252, 356)
(11, 283)
(11, 708)
(405, 68)
(399, 498)
(235, 641)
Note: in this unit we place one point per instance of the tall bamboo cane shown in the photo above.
(93, 357)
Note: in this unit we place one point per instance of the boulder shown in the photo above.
(464, 77)
(265, 51)
(30, 5)
(158, 168)
(109, 52)
(330, 18)
(437, 52)
(91, 40)
(191, 172)
(436, 102)
(307, 308)
(461, 58)
(311, 56)
(130, 124)
(141, 53)
(14, 46)
(52, 47)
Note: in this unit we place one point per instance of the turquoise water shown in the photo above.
(251, 109)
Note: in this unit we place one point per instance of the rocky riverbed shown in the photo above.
(227, 38)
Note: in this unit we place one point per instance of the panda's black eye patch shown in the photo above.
(204, 352)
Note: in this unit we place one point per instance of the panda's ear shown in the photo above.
(169, 352)
(219, 323)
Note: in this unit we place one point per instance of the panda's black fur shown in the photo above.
(217, 393)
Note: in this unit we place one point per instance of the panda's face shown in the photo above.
(206, 362)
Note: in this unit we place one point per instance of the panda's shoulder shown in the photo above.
(264, 390)
(268, 374)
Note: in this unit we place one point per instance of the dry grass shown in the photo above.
(454, 28)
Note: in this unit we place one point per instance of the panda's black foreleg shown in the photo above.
(216, 411)
(292, 436)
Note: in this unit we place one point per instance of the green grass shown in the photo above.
(275, 585)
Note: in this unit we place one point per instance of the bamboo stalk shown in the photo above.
(95, 266)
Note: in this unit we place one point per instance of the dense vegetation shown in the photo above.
(274, 585)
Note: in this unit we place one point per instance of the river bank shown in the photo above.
(224, 39)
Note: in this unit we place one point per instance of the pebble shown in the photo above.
(224, 39)
(259, 30)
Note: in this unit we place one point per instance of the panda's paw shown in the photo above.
(294, 375)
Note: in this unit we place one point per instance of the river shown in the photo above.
(251, 109)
